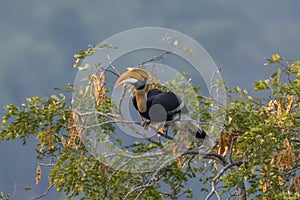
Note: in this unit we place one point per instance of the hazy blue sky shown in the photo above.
(38, 40)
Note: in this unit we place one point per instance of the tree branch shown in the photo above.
(44, 194)
(233, 140)
(155, 58)
(154, 178)
(217, 157)
(241, 191)
(220, 173)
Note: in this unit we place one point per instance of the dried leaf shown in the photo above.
(64, 142)
(99, 90)
(50, 134)
(295, 187)
(276, 157)
(279, 107)
(225, 143)
(280, 180)
(264, 187)
(174, 149)
(102, 169)
(216, 165)
(289, 104)
(180, 160)
(287, 157)
(272, 107)
(286, 143)
(73, 130)
(81, 159)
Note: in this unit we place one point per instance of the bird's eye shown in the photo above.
(140, 87)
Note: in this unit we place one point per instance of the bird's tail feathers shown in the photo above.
(192, 127)
(208, 142)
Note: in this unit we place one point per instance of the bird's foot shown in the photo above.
(145, 124)
(163, 130)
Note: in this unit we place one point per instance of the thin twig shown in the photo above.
(44, 194)
(140, 193)
(154, 178)
(220, 173)
(217, 157)
(107, 115)
(46, 164)
(233, 140)
(165, 135)
(292, 170)
(114, 69)
(105, 122)
(113, 72)
(155, 58)
(143, 187)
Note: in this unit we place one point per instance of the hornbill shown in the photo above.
(158, 106)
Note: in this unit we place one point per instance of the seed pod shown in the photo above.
(99, 90)
(38, 174)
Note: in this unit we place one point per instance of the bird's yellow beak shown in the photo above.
(132, 76)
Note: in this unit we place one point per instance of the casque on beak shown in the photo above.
(132, 76)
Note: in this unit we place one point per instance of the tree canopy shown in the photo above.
(256, 157)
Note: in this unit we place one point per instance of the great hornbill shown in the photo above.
(158, 106)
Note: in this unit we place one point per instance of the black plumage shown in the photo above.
(163, 104)
(166, 105)
(158, 106)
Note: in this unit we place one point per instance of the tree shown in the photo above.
(256, 157)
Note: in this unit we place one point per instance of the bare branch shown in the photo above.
(107, 115)
(292, 170)
(155, 58)
(122, 98)
(220, 173)
(217, 157)
(140, 193)
(296, 140)
(241, 191)
(113, 72)
(143, 187)
(114, 69)
(233, 140)
(44, 194)
(105, 122)
(154, 178)
(165, 135)
(46, 164)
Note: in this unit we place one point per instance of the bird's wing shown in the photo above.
(168, 100)
(150, 96)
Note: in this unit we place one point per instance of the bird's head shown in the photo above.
(137, 77)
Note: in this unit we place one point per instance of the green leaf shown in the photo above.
(276, 58)
(261, 85)
(27, 188)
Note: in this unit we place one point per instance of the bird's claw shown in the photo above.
(145, 124)
(163, 130)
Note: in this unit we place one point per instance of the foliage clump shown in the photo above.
(257, 155)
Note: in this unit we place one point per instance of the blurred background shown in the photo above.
(39, 38)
